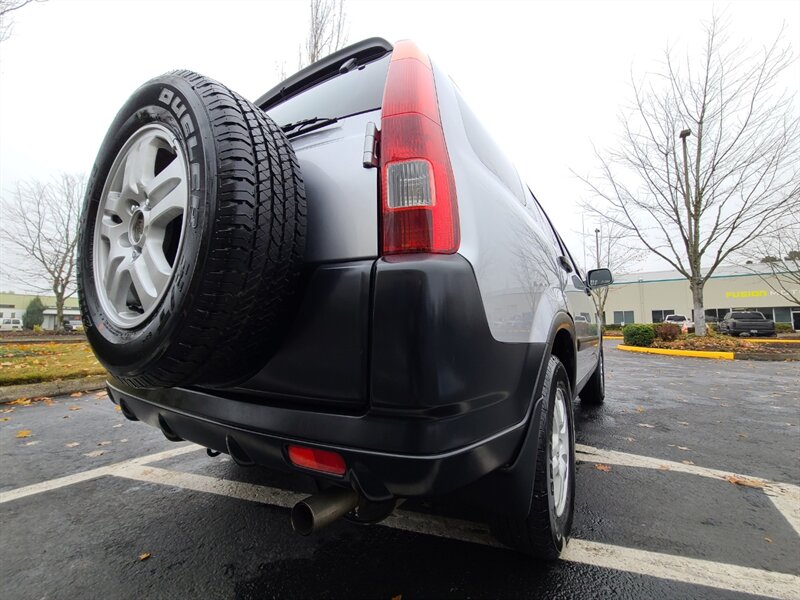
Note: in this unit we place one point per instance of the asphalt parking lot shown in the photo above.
(87, 493)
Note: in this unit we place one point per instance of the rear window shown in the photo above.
(748, 316)
(358, 91)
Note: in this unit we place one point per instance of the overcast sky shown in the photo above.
(549, 79)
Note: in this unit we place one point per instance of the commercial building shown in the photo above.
(650, 297)
(13, 306)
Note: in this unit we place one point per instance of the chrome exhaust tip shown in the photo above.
(315, 512)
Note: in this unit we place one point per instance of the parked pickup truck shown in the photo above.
(746, 323)
(345, 279)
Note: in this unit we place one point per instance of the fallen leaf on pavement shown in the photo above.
(744, 481)
(647, 425)
(95, 453)
(21, 402)
(4, 419)
(72, 444)
(742, 435)
(76, 394)
(23, 433)
(33, 443)
(144, 556)
(10, 410)
(73, 407)
(683, 423)
(103, 394)
(630, 439)
(117, 425)
(602, 467)
(769, 540)
(117, 407)
(103, 443)
(124, 440)
(682, 448)
(663, 467)
(639, 409)
(687, 462)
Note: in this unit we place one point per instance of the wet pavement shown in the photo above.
(207, 536)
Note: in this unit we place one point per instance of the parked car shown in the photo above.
(10, 324)
(317, 282)
(686, 324)
(747, 323)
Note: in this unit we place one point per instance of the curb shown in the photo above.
(771, 341)
(692, 353)
(10, 393)
(613, 337)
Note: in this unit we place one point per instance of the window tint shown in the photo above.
(660, 316)
(489, 152)
(750, 316)
(358, 91)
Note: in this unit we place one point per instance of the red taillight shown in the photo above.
(323, 461)
(418, 194)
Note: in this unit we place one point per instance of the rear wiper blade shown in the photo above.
(306, 125)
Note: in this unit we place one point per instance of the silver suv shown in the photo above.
(346, 279)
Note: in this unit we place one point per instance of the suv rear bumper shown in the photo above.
(445, 403)
(377, 475)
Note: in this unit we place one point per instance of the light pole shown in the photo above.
(597, 244)
(683, 135)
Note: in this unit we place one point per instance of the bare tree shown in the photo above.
(327, 30)
(709, 157)
(611, 248)
(6, 18)
(41, 224)
(775, 259)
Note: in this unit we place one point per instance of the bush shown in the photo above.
(668, 332)
(637, 334)
(783, 328)
(612, 326)
(34, 314)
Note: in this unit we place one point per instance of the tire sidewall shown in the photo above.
(171, 102)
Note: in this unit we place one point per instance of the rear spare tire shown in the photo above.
(191, 237)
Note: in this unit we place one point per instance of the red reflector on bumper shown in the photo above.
(317, 460)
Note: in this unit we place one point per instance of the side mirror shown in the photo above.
(599, 278)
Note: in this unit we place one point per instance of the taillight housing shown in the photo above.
(419, 210)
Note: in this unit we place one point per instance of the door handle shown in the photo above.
(564, 262)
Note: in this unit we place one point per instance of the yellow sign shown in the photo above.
(747, 294)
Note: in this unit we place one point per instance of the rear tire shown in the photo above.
(216, 303)
(545, 531)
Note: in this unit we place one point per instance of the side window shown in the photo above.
(544, 222)
(489, 152)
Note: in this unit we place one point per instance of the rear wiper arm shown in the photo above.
(306, 125)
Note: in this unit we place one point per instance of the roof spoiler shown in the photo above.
(325, 68)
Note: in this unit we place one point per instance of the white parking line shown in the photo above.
(653, 564)
(785, 496)
(665, 566)
(54, 484)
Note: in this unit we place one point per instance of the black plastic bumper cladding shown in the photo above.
(447, 402)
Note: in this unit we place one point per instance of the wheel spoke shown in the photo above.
(143, 283)
(118, 281)
(167, 180)
(156, 263)
(139, 165)
(115, 205)
(170, 206)
(115, 233)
